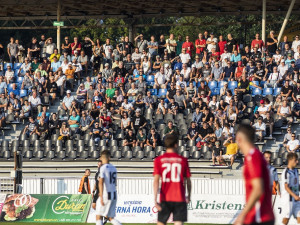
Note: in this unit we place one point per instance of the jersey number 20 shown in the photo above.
(174, 169)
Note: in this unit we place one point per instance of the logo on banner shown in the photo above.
(62, 204)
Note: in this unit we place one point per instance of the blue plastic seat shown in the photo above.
(276, 91)
(153, 91)
(23, 93)
(232, 84)
(150, 78)
(20, 80)
(215, 91)
(213, 84)
(162, 92)
(9, 87)
(221, 83)
(17, 66)
(16, 73)
(267, 91)
(254, 82)
(256, 91)
(6, 64)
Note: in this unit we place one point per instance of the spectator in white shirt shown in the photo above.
(274, 79)
(295, 43)
(262, 109)
(185, 57)
(297, 54)
(35, 102)
(260, 129)
(283, 68)
(186, 71)
(211, 42)
(9, 75)
(160, 79)
(293, 144)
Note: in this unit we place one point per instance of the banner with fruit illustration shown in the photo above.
(46, 208)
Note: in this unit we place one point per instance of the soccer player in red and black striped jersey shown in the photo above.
(258, 208)
(172, 170)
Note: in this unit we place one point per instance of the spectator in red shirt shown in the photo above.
(257, 41)
(215, 53)
(76, 46)
(221, 44)
(189, 46)
(200, 44)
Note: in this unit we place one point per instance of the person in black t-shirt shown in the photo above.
(34, 49)
(96, 186)
(192, 132)
(120, 69)
(231, 44)
(272, 43)
(286, 90)
(161, 45)
(130, 139)
(138, 121)
(173, 107)
(208, 116)
(126, 45)
(153, 138)
(52, 89)
(88, 47)
(260, 72)
(243, 86)
(205, 132)
(171, 92)
(217, 152)
(42, 130)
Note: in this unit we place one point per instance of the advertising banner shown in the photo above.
(205, 208)
(46, 208)
(2, 200)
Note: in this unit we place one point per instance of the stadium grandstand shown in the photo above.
(64, 102)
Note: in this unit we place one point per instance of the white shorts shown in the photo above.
(291, 209)
(227, 157)
(109, 208)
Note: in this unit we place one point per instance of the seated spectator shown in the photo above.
(43, 113)
(96, 133)
(293, 145)
(231, 150)
(217, 153)
(192, 133)
(35, 102)
(141, 138)
(149, 101)
(180, 100)
(74, 122)
(132, 93)
(204, 133)
(9, 75)
(152, 138)
(197, 116)
(296, 109)
(173, 107)
(160, 79)
(14, 109)
(64, 132)
(54, 124)
(67, 101)
(284, 112)
(260, 129)
(81, 95)
(105, 120)
(125, 122)
(42, 130)
(129, 139)
(85, 122)
(269, 121)
(30, 128)
(25, 111)
(126, 106)
(106, 135)
(24, 67)
(274, 79)
(138, 121)
(171, 129)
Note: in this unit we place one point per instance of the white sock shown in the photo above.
(99, 222)
(115, 222)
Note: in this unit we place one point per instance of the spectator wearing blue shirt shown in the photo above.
(14, 89)
(296, 108)
(55, 64)
(64, 56)
(153, 46)
(197, 115)
(44, 114)
(74, 122)
(177, 64)
(235, 57)
(3, 86)
(228, 72)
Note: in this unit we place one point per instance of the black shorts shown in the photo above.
(179, 210)
(95, 196)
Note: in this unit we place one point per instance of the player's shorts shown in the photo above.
(179, 210)
(109, 208)
(290, 209)
(227, 157)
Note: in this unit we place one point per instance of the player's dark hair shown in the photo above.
(248, 131)
(87, 170)
(267, 152)
(291, 156)
(105, 153)
(171, 141)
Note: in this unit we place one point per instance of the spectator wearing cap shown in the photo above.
(263, 109)
(198, 64)
(50, 46)
(296, 108)
(67, 101)
(181, 83)
(107, 71)
(180, 100)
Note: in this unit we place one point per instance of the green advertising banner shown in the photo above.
(46, 208)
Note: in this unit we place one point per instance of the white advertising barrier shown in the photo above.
(2, 200)
(221, 209)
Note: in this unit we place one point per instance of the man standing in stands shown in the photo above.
(274, 184)
(84, 187)
(258, 208)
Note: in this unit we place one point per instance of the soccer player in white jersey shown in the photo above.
(107, 201)
(273, 174)
(290, 190)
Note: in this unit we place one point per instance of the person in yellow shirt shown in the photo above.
(70, 75)
(55, 53)
(231, 149)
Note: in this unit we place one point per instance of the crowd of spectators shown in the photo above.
(198, 89)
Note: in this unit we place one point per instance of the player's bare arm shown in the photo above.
(286, 186)
(101, 182)
(155, 189)
(189, 189)
(255, 195)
